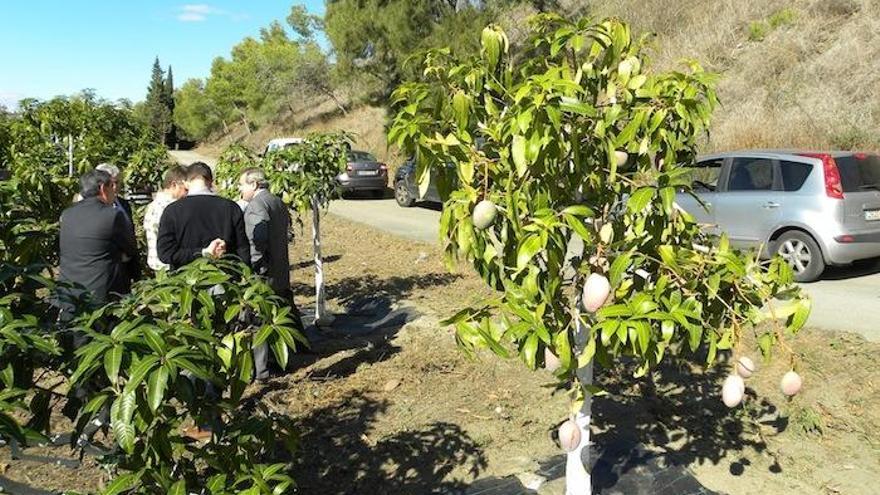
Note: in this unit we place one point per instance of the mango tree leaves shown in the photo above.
(160, 364)
(556, 127)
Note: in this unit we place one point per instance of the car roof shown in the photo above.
(285, 140)
(774, 153)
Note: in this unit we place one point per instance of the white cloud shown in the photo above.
(199, 12)
(190, 17)
(198, 8)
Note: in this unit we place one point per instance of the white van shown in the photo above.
(279, 143)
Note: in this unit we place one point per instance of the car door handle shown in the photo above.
(771, 204)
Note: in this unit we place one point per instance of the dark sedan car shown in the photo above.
(364, 173)
(406, 186)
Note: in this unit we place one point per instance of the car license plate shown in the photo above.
(872, 215)
(368, 172)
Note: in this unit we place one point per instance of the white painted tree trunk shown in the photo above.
(577, 475)
(319, 262)
(70, 155)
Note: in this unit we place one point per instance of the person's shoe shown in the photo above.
(198, 434)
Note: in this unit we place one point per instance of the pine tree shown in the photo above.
(171, 136)
(157, 111)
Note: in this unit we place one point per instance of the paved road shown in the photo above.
(186, 157)
(419, 223)
(846, 299)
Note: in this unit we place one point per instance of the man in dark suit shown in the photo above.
(96, 239)
(132, 266)
(201, 224)
(267, 222)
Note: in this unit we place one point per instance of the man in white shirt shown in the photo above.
(173, 188)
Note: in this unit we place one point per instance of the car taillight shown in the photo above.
(383, 167)
(833, 186)
(349, 168)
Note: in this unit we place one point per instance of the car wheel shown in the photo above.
(402, 195)
(802, 254)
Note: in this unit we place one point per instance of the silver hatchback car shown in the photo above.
(812, 208)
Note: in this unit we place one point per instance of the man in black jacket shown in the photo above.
(201, 224)
(96, 239)
(198, 220)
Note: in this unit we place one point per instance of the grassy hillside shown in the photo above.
(802, 73)
(795, 73)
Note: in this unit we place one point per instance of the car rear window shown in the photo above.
(794, 174)
(858, 171)
(360, 156)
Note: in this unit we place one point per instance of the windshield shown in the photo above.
(360, 156)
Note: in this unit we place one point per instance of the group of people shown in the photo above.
(185, 221)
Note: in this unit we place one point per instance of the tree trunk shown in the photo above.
(70, 155)
(244, 120)
(319, 262)
(577, 475)
(330, 93)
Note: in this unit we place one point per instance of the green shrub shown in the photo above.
(148, 361)
(232, 161)
(784, 17)
(758, 30)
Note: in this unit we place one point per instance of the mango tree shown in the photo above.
(567, 160)
(305, 177)
(145, 168)
(231, 162)
(73, 134)
(178, 350)
(27, 344)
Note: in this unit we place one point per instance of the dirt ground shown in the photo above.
(826, 440)
(402, 411)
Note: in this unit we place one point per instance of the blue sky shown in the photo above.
(61, 47)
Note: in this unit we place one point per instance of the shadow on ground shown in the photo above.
(353, 291)
(861, 268)
(646, 435)
(340, 458)
(371, 319)
(305, 264)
